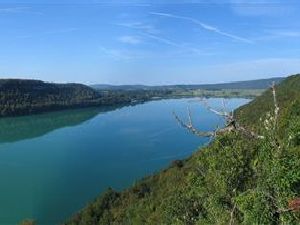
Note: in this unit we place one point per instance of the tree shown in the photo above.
(231, 123)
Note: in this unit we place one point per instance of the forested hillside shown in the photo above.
(21, 97)
(234, 180)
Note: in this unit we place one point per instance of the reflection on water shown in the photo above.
(26, 127)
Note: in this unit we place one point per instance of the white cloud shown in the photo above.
(14, 10)
(123, 54)
(47, 33)
(163, 40)
(284, 33)
(148, 28)
(278, 34)
(204, 26)
(184, 47)
(18, 10)
(133, 40)
(62, 31)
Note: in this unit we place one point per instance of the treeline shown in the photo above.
(22, 97)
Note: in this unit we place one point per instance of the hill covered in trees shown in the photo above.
(234, 180)
(23, 97)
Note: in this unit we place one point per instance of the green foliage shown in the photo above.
(245, 181)
(98, 211)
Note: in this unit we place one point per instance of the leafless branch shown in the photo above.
(232, 215)
(248, 133)
(276, 108)
(190, 127)
(190, 117)
(224, 114)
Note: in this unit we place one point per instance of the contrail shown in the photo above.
(204, 26)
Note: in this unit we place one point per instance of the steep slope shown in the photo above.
(288, 96)
(235, 180)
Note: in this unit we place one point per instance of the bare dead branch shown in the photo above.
(190, 127)
(248, 133)
(190, 116)
(232, 215)
(276, 108)
(223, 114)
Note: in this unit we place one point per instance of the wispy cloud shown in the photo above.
(48, 33)
(132, 40)
(204, 26)
(18, 10)
(148, 28)
(177, 45)
(262, 7)
(14, 10)
(150, 32)
(278, 34)
(286, 33)
(130, 55)
(259, 68)
(162, 40)
(112, 53)
(61, 31)
(121, 54)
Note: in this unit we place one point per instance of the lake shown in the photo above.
(53, 164)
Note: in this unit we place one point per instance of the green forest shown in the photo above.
(234, 180)
(25, 97)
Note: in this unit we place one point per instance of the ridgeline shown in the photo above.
(26, 97)
(234, 180)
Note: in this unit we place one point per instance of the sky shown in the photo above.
(149, 42)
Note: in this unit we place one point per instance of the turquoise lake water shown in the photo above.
(52, 165)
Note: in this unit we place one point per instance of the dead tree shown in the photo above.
(231, 123)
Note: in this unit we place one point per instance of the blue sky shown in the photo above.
(149, 42)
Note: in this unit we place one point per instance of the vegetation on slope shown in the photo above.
(23, 97)
(235, 180)
(289, 100)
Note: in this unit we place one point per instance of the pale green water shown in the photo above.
(51, 165)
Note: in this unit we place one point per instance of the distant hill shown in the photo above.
(24, 97)
(121, 87)
(250, 84)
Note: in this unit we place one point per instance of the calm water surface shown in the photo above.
(51, 165)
